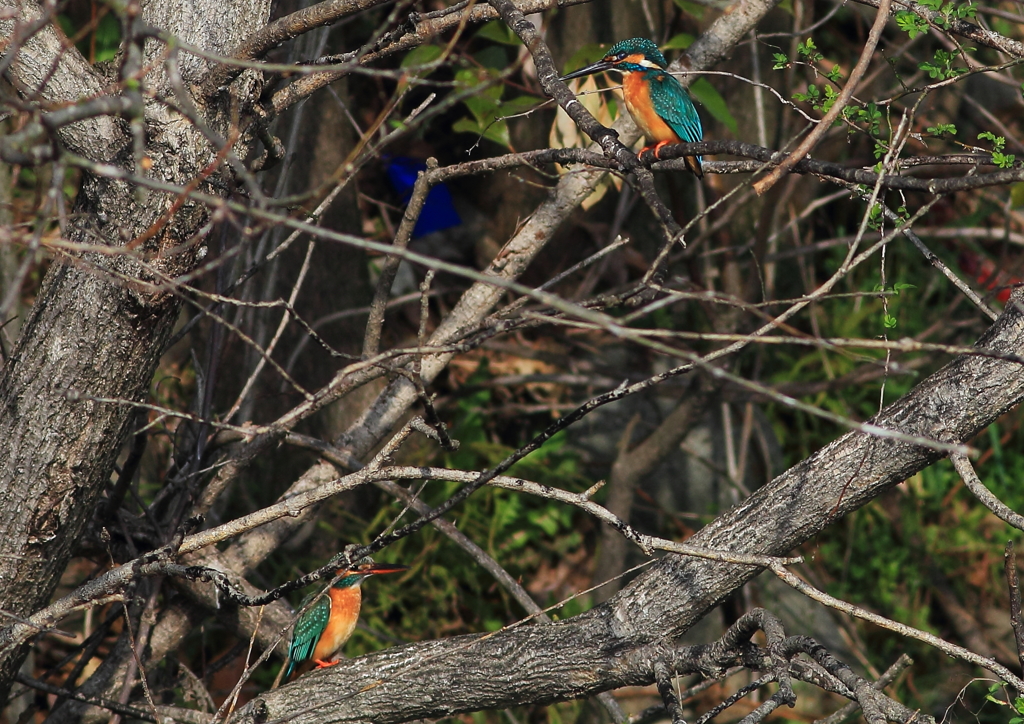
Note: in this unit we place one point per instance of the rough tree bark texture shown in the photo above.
(94, 332)
(617, 643)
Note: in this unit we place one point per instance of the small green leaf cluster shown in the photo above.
(1018, 704)
(869, 115)
(875, 221)
(888, 318)
(809, 51)
(489, 111)
(1000, 159)
(911, 23)
(806, 51)
(941, 66)
(821, 99)
(949, 11)
(945, 13)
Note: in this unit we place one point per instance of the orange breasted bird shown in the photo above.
(328, 622)
(659, 104)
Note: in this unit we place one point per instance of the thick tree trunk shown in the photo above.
(99, 325)
(87, 338)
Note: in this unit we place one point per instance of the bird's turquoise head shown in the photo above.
(354, 575)
(635, 55)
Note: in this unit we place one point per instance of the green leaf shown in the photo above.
(933, 71)
(691, 8)
(811, 96)
(966, 11)
(481, 80)
(492, 56)
(107, 36)
(830, 97)
(781, 61)
(585, 56)
(715, 104)
(517, 105)
(496, 131)
(679, 42)
(423, 55)
(889, 321)
(498, 32)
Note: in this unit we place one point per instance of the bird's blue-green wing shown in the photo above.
(672, 103)
(308, 630)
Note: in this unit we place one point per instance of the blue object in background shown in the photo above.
(438, 212)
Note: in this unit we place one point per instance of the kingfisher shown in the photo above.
(328, 620)
(656, 100)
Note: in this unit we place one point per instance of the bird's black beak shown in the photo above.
(592, 68)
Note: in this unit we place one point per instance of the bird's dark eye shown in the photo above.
(620, 56)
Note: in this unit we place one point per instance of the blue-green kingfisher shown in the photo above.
(328, 620)
(658, 103)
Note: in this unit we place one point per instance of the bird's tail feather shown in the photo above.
(693, 163)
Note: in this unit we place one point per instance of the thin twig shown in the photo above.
(957, 652)
(1013, 585)
(988, 499)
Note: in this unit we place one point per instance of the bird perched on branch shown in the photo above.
(328, 619)
(658, 103)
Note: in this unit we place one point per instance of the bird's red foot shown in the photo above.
(656, 148)
(324, 664)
